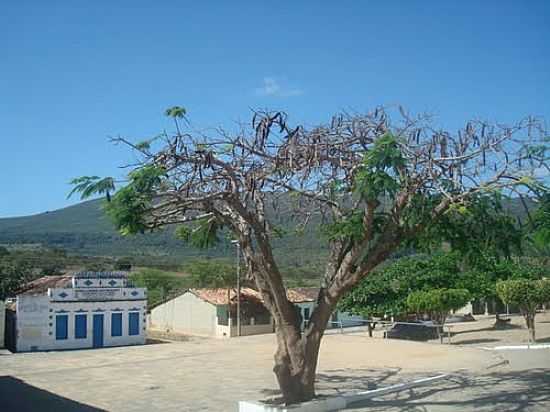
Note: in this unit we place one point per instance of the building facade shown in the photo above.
(85, 310)
(212, 312)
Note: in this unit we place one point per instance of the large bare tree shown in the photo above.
(376, 180)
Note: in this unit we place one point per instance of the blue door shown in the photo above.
(98, 330)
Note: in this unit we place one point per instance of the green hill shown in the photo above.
(84, 229)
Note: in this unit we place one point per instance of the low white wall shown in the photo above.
(466, 309)
(246, 330)
(36, 317)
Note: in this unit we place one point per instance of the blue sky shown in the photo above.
(73, 73)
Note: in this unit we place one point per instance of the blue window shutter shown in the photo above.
(133, 323)
(116, 324)
(61, 326)
(80, 326)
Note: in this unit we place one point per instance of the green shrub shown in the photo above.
(527, 295)
(437, 302)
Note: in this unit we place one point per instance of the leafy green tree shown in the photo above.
(539, 229)
(160, 285)
(378, 183)
(386, 290)
(437, 303)
(477, 228)
(211, 274)
(12, 277)
(176, 112)
(527, 295)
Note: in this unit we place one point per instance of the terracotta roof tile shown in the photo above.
(219, 296)
(41, 285)
(296, 295)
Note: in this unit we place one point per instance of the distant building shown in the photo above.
(84, 310)
(305, 300)
(213, 312)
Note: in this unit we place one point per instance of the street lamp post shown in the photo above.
(236, 242)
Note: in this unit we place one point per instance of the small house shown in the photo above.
(84, 310)
(212, 312)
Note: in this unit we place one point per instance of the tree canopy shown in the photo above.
(437, 303)
(377, 180)
(13, 275)
(527, 295)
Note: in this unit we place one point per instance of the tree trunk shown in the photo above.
(296, 364)
(530, 321)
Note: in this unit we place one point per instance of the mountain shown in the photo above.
(84, 229)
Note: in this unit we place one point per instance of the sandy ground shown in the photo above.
(212, 375)
(483, 333)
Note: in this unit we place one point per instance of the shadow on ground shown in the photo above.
(508, 326)
(475, 341)
(16, 395)
(503, 392)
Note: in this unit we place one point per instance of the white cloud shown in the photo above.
(272, 87)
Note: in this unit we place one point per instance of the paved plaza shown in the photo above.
(212, 375)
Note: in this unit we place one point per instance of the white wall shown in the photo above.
(36, 323)
(223, 331)
(185, 314)
(2, 323)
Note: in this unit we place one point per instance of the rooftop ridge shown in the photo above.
(100, 275)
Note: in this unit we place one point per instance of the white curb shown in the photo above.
(520, 347)
(337, 402)
(390, 389)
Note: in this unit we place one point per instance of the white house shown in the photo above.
(212, 312)
(84, 310)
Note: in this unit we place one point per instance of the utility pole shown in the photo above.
(238, 287)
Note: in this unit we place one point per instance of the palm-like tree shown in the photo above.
(176, 112)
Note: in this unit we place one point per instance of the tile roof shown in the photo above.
(41, 285)
(297, 295)
(219, 296)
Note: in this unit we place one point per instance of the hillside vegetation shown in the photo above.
(84, 229)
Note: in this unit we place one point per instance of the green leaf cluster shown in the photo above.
(211, 274)
(527, 294)
(89, 186)
(385, 291)
(477, 227)
(12, 276)
(129, 206)
(349, 227)
(379, 174)
(541, 223)
(203, 235)
(437, 300)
